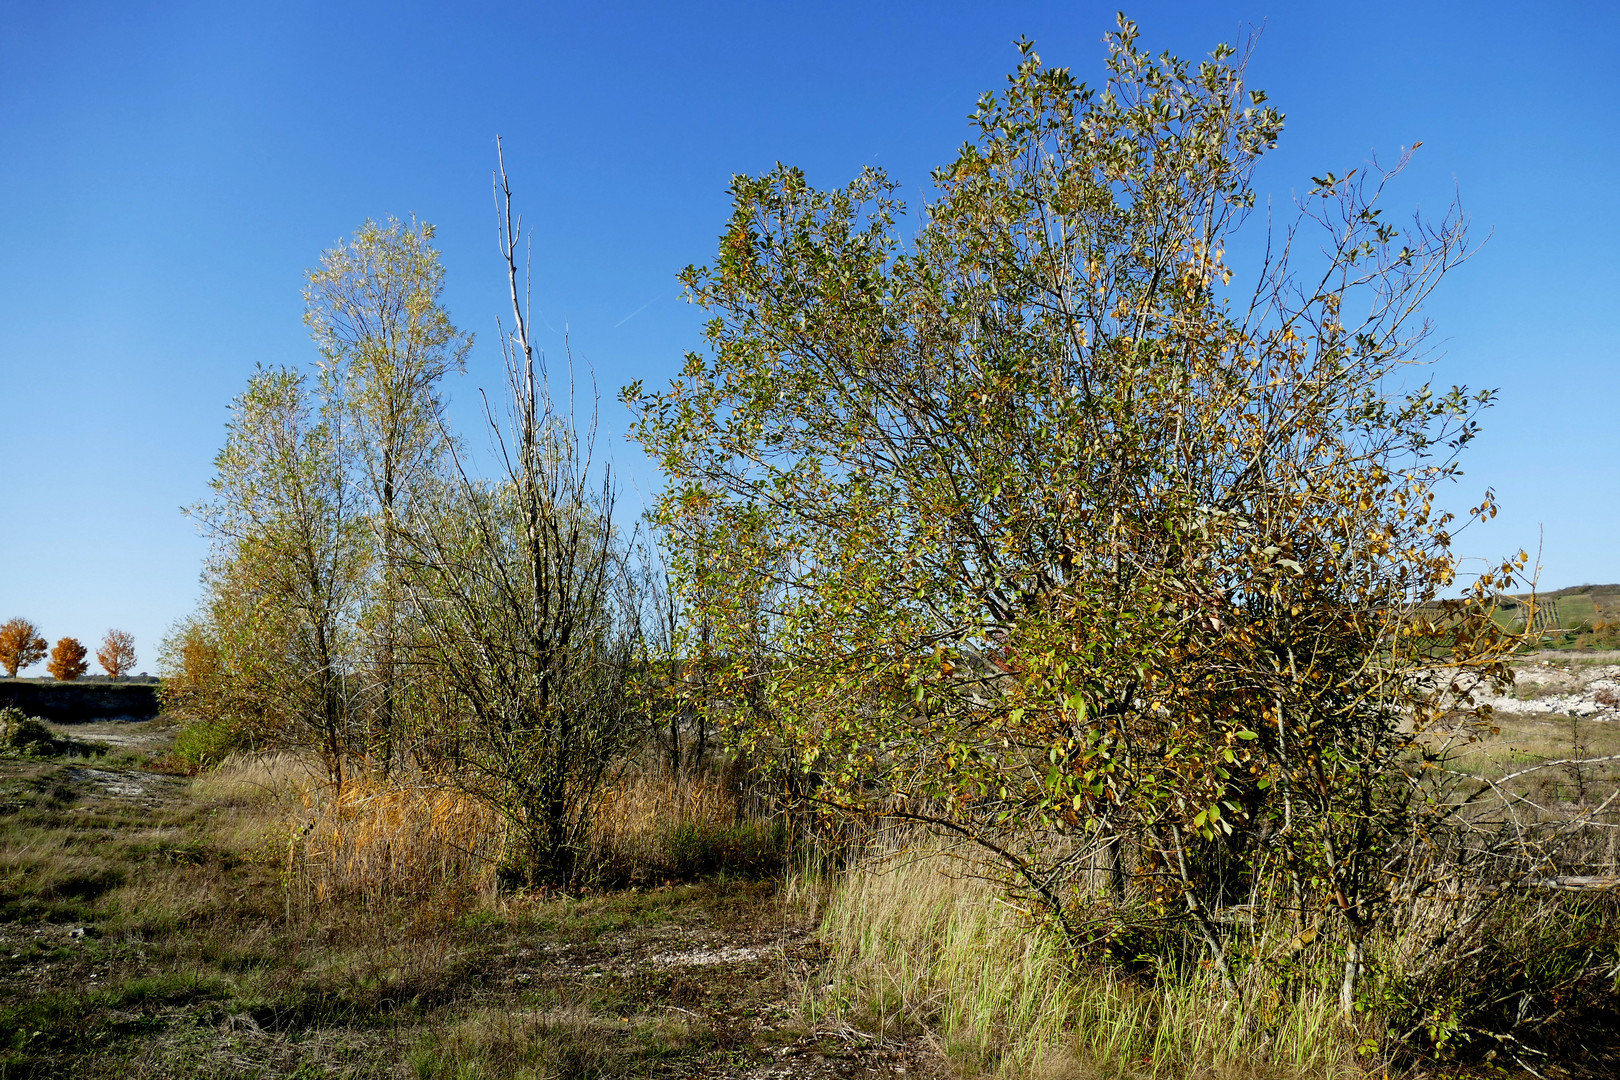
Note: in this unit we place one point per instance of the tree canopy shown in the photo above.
(20, 645)
(67, 660)
(117, 653)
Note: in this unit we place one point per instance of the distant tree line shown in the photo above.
(22, 646)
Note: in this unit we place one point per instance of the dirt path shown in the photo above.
(144, 932)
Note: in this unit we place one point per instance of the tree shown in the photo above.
(211, 701)
(285, 579)
(1072, 549)
(20, 645)
(517, 585)
(67, 660)
(386, 343)
(117, 653)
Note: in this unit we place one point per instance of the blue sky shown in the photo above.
(168, 171)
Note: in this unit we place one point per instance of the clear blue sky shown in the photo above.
(168, 171)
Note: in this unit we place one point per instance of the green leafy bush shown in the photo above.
(207, 741)
(21, 734)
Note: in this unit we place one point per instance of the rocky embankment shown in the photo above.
(1564, 684)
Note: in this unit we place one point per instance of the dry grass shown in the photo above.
(250, 779)
(631, 812)
(1556, 775)
(920, 946)
(374, 842)
(410, 837)
(1531, 739)
(651, 827)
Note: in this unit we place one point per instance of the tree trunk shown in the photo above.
(1352, 973)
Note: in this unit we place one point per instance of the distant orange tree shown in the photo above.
(67, 660)
(20, 646)
(117, 653)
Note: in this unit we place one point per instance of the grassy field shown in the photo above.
(146, 930)
(1525, 741)
(1587, 615)
(234, 924)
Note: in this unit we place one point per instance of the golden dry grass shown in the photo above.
(374, 840)
(920, 944)
(377, 840)
(411, 836)
(642, 802)
(650, 825)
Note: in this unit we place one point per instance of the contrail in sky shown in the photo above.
(638, 311)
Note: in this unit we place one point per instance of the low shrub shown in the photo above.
(1599, 634)
(204, 743)
(22, 734)
(1515, 976)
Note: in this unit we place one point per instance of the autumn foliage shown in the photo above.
(67, 660)
(20, 646)
(1050, 532)
(117, 653)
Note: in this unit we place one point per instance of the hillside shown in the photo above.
(1577, 617)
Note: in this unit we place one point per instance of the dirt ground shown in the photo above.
(145, 932)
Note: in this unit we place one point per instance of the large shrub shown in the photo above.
(1045, 531)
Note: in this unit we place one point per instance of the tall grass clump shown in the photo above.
(427, 837)
(368, 841)
(373, 841)
(1510, 976)
(650, 825)
(526, 1046)
(922, 945)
